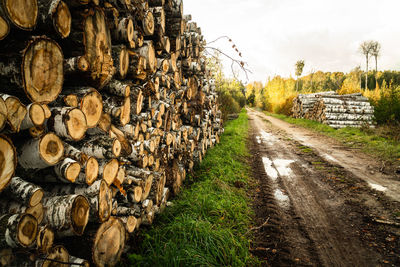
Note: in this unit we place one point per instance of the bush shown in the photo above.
(228, 105)
(387, 108)
(285, 108)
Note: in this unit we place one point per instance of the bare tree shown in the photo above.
(376, 49)
(366, 50)
(299, 70)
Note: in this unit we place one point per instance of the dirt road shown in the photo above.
(318, 203)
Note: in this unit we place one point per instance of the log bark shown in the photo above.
(25, 192)
(102, 147)
(12, 207)
(68, 214)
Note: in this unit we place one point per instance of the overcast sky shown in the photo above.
(273, 34)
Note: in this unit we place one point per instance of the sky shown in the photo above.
(273, 34)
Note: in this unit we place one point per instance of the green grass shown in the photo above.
(369, 140)
(207, 224)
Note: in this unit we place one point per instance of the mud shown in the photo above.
(315, 209)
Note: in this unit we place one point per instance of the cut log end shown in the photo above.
(92, 107)
(76, 124)
(80, 214)
(51, 148)
(45, 239)
(43, 65)
(8, 161)
(109, 243)
(27, 229)
(104, 202)
(62, 20)
(110, 171)
(36, 198)
(22, 13)
(56, 255)
(4, 28)
(37, 114)
(91, 170)
(125, 115)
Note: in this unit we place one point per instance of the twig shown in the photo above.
(386, 222)
(258, 227)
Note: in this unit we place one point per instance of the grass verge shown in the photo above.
(207, 224)
(371, 141)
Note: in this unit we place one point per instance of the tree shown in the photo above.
(299, 70)
(376, 49)
(366, 49)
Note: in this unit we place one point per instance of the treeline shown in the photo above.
(277, 94)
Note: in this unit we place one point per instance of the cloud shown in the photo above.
(273, 34)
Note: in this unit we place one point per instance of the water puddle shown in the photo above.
(268, 138)
(282, 165)
(269, 169)
(282, 198)
(377, 187)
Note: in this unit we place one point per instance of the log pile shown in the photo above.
(337, 111)
(304, 102)
(105, 105)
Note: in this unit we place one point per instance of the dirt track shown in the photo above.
(319, 203)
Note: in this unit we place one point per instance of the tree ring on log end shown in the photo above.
(105, 202)
(130, 30)
(117, 147)
(92, 107)
(62, 19)
(148, 23)
(125, 115)
(76, 124)
(51, 148)
(109, 243)
(97, 41)
(124, 63)
(72, 171)
(8, 161)
(80, 214)
(37, 114)
(36, 211)
(110, 171)
(27, 229)
(36, 198)
(4, 28)
(3, 113)
(91, 170)
(43, 69)
(22, 13)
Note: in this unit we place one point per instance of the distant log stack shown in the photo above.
(337, 111)
(104, 108)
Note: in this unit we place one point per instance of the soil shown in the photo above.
(318, 203)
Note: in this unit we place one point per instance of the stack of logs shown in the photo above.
(337, 111)
(304, 102)
(104, 107)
